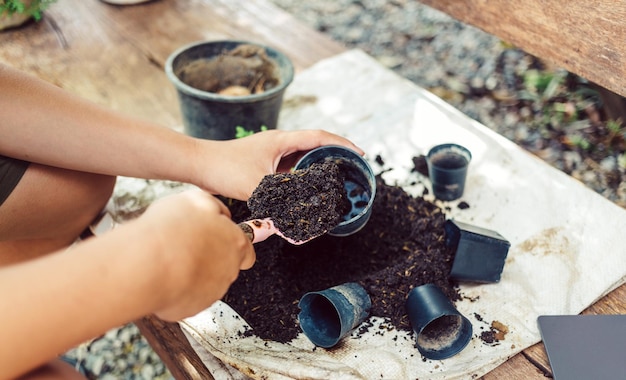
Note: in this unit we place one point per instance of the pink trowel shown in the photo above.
(258, 230)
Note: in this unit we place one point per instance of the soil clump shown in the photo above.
(242, 71)
(303, 203)
(402, 246)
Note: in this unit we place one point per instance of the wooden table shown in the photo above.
(114, 56)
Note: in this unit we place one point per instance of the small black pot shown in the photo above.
(360, 184)
(442, 331)
(447, 169)
(480, 253)
(328, 315)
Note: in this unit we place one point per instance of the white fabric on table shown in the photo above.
(567, 242)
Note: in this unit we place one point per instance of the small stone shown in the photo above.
(147, 372)
(95, 363)
(608, 164)
(144, 354)
(491, 83)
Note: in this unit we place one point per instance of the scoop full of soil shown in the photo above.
(242, 71)
(304, 203)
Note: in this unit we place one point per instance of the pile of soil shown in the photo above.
(242, 71)
(402, 246)
(303, 203)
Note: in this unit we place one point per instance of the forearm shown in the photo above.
(52, 304)
(45, 124)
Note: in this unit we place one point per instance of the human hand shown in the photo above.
(245, 161)
(199, 247)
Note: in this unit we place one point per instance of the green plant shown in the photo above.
(616, 134)
(242, 132)
(33, 8)
(542, 85)
(555, 105)
(579, 141)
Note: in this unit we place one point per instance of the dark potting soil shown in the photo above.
(241, 71)
(420, 165)
(402, 246)
(495, 333)
(303, 203)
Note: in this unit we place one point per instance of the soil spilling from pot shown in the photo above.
(242, 71)
(304, 203)
(402, 246)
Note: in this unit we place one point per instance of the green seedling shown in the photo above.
(242, 132)
(35, 8)
(579, 141)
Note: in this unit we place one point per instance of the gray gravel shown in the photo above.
(483, 77)
(122, 353)
(472, 70)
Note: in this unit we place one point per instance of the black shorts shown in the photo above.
(11, 171)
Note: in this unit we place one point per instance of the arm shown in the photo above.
(175, 260)
(45, 124)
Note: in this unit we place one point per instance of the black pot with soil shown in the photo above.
(227, 89)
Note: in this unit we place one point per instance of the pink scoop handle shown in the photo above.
(258, 230)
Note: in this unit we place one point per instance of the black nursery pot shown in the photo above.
(480, 253)
(442, 331)
(213, 116)
(447, 170)
(328, 315)
(360, 184)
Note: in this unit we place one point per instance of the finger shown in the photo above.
(289, 161)
(224, 210)
(310, 139)
(327, 138)
(214, 201)
(248, 260)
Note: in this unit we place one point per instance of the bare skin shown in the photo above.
(187, 246)
(193, 253)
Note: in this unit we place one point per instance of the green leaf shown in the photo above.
(242, 132)
(614, 125)
(35, 8)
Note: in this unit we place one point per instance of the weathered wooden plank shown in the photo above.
(536, 354)
(115, 55)
(169, 342)
(518, 367)
(586, 37)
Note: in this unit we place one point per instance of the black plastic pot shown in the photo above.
(480, 253)
(328, 315)
(442, 331)
(360, 184)
(213, 116)
(447, 170)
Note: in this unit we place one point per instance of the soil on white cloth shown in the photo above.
(402, 246)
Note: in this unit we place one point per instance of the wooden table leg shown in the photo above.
(170, 343)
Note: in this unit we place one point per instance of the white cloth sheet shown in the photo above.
(568, 246)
